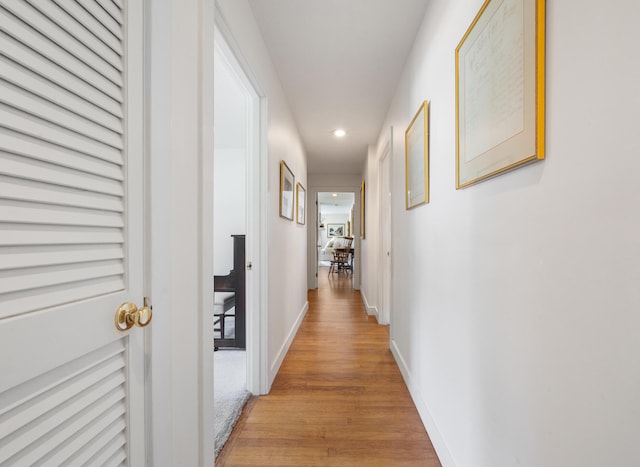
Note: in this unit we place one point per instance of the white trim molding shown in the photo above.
(275, 367)
(444, 454)
(371, 310)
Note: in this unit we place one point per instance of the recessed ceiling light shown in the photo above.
(335, 195)
(339, 133)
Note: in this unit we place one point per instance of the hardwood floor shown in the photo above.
(339, 398)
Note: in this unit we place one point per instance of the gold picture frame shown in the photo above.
(300, 203)
(416, 152)
(362, 210)
(500, 90)
(287, 183)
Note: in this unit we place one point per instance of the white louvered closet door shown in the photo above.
(71, 158)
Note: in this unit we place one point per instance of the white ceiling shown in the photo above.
(341, 203)
(339, 62)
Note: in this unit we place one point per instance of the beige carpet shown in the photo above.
(230, 392)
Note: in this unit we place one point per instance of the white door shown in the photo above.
(71, 157)
(385, 234)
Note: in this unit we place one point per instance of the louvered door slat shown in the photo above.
(29, 169)
(66, 374)
(79, 32)
(25, 257)
(24, 190)
(110, 69)
(35, 84)
(86, 395)
(41, 108)
(102, 16)
(52, 156)
(96, 443)
(42, 450)
(112, 417)
(24, 213)
(17, 282)
(17, 120)
(35, 170)
(83, 17)
(118, 3)
(36, 63)
(20, 234)
(113, 10)
(45, 429)
(113, 454)
(32, 39)
(21, 302)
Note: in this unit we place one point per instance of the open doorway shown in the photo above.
(335, 234)
(239, 239)
(230, 209)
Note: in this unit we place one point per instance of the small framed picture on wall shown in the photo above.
(300, 203)
(287, 182)
(335, 230)
(362, 210)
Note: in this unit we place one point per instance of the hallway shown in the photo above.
(339, 398)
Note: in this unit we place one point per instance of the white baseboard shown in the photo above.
(287, 343)
(432, 430)
(371, 310)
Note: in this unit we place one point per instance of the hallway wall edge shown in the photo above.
(371, 310)
(444, 454)
(275, 367)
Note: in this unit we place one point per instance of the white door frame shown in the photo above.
(257, 213)
(312, 249)
(179, 169)
(385, 231)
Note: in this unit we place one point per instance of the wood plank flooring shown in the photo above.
(339, 398)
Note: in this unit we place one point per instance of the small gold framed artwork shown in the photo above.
(287, 182)
(300, 203)
(362, 211)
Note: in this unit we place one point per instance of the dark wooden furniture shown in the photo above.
(343, 257)
(232, 307)
(341, 260)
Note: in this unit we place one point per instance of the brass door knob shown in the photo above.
(129, 315)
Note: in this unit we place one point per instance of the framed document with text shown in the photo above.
(416, 147)
(500, 69)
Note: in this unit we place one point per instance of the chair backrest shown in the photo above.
(341, 255)
(347, 242)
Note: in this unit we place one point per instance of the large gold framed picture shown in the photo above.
(416, 147)
(500, 70)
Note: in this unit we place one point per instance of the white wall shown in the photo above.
(229, 205)
(516, 302)
(287, 248)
